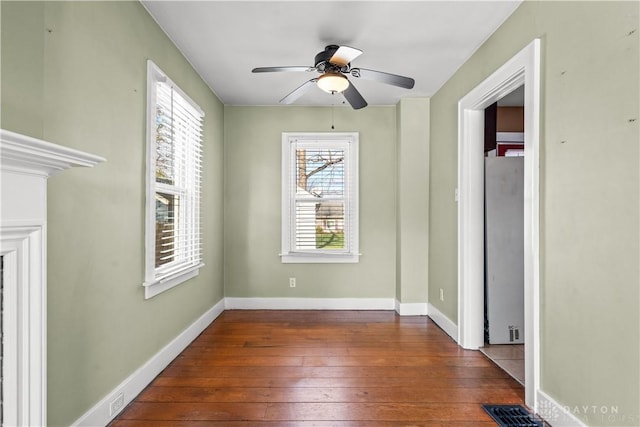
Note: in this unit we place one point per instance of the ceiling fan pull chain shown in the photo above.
(333, 108)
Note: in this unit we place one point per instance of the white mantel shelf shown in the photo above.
(21, 153)
(25, 165)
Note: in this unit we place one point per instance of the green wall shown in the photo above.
(589, 197)
(253, 268)
(74, 73)
(412, 200)
(22, 67)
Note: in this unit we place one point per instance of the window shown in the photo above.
(320, 198)
(174, 140)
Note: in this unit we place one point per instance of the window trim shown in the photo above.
(155, 284)
(348, 140)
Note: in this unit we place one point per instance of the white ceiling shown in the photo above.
(425, 40)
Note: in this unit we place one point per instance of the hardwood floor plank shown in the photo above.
(234, 351)
(322, 368)
(177, 369)
(403, 412)
(337, 412)
(360, 351)
(384, 360)
(327, 361)
(483, 383)
(216, 360)
(398, 394)
(194, 411)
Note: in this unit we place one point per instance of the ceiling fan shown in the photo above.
(334, 64)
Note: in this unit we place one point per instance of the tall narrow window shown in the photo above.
(320, 197)
(174, 143)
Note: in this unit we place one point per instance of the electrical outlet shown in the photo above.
(116, 404)
(441, 294)
(292, 282)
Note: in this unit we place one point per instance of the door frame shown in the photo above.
(523, 68)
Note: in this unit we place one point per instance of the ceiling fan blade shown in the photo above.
(354, 98)
(344, 55)
(279, 69)
(298, 92)
(380, 76)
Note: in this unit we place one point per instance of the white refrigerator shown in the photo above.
(504, 249)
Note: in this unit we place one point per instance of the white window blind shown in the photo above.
(174, 162)
(320, 215)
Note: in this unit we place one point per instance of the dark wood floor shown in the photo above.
(323, 368)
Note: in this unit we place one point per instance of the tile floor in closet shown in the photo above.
(509, 357)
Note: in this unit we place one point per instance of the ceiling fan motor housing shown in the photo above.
(322, 63)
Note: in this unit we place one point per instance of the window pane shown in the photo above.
(166, 223)
(320, 172)
(165, 149)
(319, 225)
(330, 225)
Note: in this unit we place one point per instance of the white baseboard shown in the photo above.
(443, 321)
(554, 413)
(100, 414)
(411, 308)
(232, 303)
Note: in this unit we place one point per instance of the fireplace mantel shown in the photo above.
(25, 165)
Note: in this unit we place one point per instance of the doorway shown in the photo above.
(522, 69)
(504, 234)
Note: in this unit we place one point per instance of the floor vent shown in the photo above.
(512, 416)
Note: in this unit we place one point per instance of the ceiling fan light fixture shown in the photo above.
(333, 83)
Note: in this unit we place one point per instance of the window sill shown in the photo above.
(323, 258)
(157, 286)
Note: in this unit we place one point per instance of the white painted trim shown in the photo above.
(319, 258)
(233, 303)
(470, 227)
(442, 321)
(132, 386)
(159, 286)
(411, 308)
(554, 413)
(523, 68)
(24, 320)
(24, 154)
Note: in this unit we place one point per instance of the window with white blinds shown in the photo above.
(174, 145)
(319, 197)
